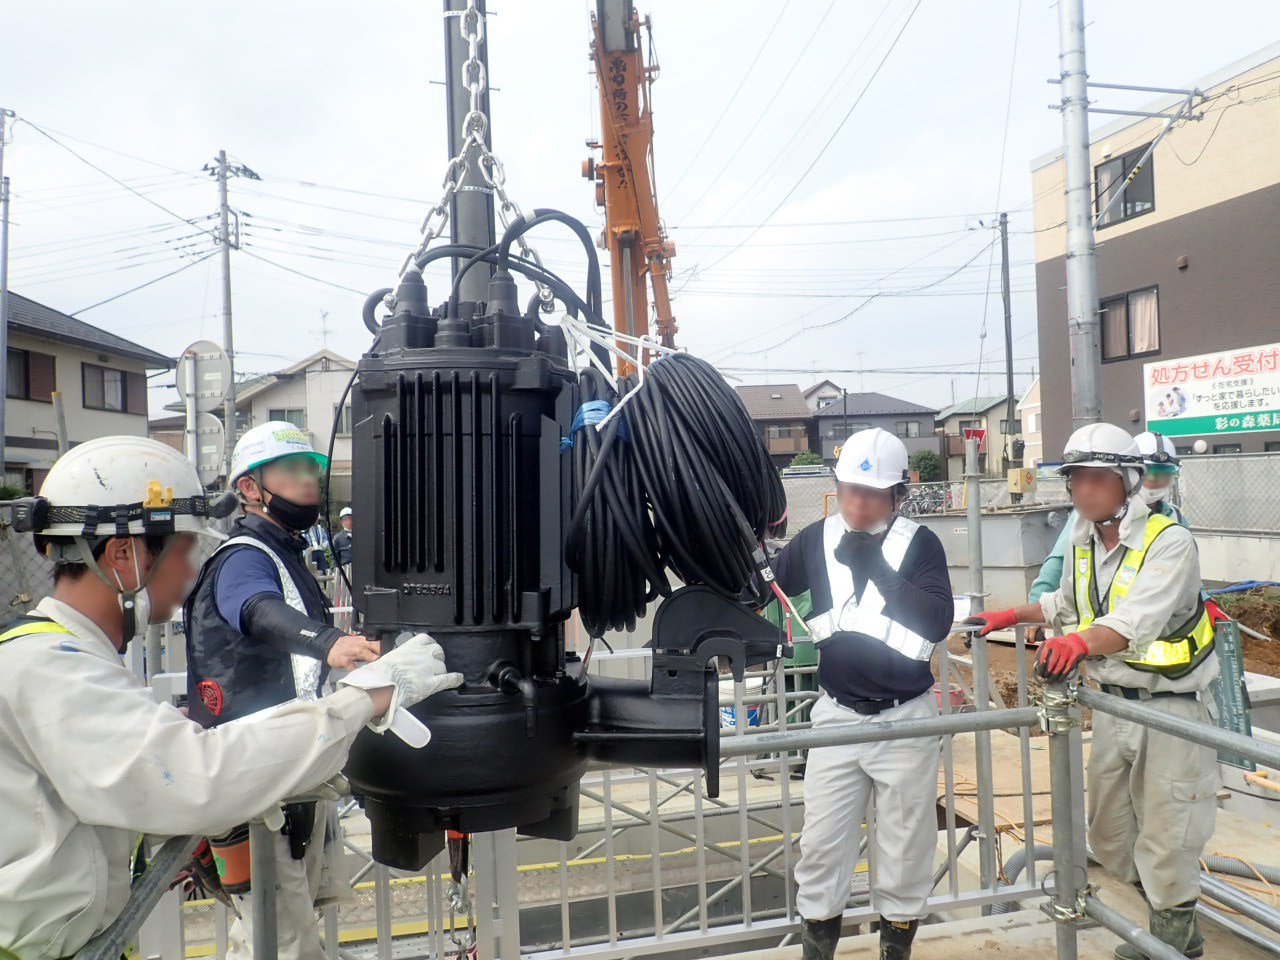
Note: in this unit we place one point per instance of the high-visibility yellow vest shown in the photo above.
(1172, 656)
(25, 625)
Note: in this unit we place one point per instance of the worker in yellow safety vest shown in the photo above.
(1130, 607)
(89, 758)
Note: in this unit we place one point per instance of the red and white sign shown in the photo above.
(975, 433)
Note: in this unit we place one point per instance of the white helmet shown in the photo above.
(873, 458)
(1104, 445)
(344, 512)
(122, 486)
(270, 441)
(1157, 451)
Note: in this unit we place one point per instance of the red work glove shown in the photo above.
(992, 620)
(1059, 656)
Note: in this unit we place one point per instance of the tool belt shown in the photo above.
(231, 850)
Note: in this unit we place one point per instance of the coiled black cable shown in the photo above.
(685, 450)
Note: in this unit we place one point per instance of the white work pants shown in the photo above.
(1152, 802)
(839, 782)
(297, 883)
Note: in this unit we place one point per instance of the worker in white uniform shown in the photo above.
(88, 758)
(1130, 606)
(882, 601)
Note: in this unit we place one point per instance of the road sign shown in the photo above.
(975, 433)
(211, 447)
(213, 374)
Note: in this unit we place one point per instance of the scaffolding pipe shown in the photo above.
(838, 735)
(1224, 741)
(1127, 930)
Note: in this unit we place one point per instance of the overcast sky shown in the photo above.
(345, 96)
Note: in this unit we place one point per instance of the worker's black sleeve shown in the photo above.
(924, 603)
(792, 566)
(266, 616)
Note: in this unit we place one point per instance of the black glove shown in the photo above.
(860, 552)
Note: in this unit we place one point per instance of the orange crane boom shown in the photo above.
(624, 177)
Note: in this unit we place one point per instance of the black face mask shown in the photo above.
(294, 516)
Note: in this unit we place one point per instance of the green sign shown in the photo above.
(1237, 391)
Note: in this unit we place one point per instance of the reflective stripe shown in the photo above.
(22, 631)
(306, 670)
(1172, 656)
(866, 617)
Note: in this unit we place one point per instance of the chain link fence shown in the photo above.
(26, 577)
(1232, 493)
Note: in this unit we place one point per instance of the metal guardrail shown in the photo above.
(730, 883)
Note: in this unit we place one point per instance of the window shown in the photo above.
(1108, 179)
(15, 384)
(295, 415)
(907, 428)
(104, 388)
(1010, 427)
(841, 429)
(1033, 423)
(1131, 325)
(29, 375)
(1227, 448)
(1271, 446)
(344, 421)
(775, 431)
(964, 425)
(1184, 451)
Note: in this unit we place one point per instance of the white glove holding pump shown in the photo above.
(416, 670)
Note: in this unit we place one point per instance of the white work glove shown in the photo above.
(416, 670)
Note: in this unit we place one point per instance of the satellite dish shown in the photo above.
(211, 447)
(212, 374)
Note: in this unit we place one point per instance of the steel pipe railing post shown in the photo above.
(262, 895)
(1127, 930)
(983, 771)
(1058, 720)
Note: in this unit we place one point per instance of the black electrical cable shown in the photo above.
(678, 479)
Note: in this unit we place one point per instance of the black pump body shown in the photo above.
(463, 493)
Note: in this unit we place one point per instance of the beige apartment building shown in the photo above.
(1187, 277)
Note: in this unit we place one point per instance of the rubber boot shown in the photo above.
(1176, 926)
(896, 937)
(819, 938)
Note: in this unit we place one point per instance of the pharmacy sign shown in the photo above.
(1231, 392)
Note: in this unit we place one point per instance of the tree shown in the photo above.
(806, 458)
(927, 464)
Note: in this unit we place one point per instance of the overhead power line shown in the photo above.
(125, 293)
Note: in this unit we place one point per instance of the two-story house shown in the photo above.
(981, 413)
(102, 380)
(781, 415)
(851, 412)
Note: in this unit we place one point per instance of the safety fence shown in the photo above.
(1232, 493)
(659, 867)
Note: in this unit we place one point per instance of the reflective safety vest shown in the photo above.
(847, 613)
(1172, 656)
(22, 626)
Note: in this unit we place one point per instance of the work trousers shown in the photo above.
(839, 782)
(1152, 802)
(298, 883)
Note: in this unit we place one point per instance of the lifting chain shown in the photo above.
(475, 128)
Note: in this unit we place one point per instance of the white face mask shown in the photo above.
(1153, 495)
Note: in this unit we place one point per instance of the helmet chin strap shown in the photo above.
(128, 598)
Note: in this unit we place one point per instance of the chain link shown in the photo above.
(475, 127)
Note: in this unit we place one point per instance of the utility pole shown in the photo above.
(228, 344)
(471, 207)
(1008, 341)
(1083, 320)
(4, 288)
(222, 171)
